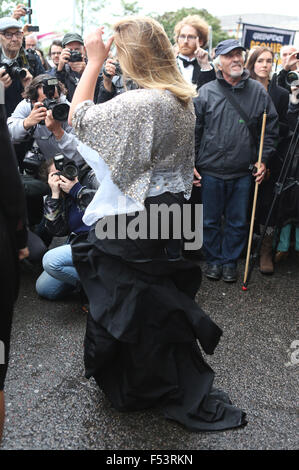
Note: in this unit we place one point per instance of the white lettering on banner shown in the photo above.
(267, 37)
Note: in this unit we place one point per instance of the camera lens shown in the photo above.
(60, 112)
(70, 171)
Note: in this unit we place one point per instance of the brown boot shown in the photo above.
(266, 261)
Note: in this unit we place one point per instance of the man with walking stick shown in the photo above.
(229, 113)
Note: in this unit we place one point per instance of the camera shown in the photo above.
(14, 71)
(28, 11)
(60, 111)
(293, 76)
(118, 70)
(75, 56)
(297, 55)
(32, 161)
(66, 167)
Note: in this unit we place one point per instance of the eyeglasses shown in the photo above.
(18, 35)
(190, 37)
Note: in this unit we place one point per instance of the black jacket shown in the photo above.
(222, 140)
(13, 94)
(56, 211)
(71, 79)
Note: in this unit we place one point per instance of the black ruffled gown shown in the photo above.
(144, 331)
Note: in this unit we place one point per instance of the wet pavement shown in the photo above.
(51, 406)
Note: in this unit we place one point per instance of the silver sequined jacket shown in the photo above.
(146, 137)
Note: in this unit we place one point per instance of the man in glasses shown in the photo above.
(15, 69)
(191, 35)
(55, 51)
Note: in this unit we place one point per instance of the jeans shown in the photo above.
(60, 276)
(285, 238)
(223, 244)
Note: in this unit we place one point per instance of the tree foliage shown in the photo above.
(129, 8)
(7, 7)
(171, 18)
(88, 11)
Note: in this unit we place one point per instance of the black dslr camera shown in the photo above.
(60, 111)
(33, 161)
(28, 11)
(118, 70)
(14, 70)
(66, 167)
(76, 56)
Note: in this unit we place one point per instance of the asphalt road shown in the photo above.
(51, 406)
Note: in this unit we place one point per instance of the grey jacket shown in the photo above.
(224, 147)
(49, 146)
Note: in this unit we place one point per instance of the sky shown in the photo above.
(57, 14)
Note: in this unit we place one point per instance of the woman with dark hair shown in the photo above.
(144, 327)
(44, 61)
(260, 64)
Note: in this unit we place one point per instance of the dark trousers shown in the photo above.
(224, 243)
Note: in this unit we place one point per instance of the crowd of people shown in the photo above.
(155, 125)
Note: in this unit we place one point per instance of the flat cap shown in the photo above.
(71, 37)
(8, 22)
(224, 47)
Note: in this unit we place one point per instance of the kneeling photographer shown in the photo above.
(42, 115)
(63, 212)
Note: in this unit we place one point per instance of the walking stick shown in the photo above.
(254, 202)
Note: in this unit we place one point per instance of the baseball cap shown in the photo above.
(8, 22)
(224, 47)
(71, 37)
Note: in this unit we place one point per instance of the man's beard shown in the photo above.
(235, 73)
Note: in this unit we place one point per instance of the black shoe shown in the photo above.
(213, 271)
(229, 274)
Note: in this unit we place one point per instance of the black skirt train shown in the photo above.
(144, 332)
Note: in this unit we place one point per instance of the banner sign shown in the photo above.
(275, 38)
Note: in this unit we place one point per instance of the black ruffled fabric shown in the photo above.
(142, 335)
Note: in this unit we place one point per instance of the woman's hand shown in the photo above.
(97, 51)
(54, 183)
(66, 185)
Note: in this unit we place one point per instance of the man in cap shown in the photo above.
(12, 58)
(226, 141)
(72, 63)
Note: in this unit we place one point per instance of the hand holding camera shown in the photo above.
(19, 11)
(37, 115)
(54, 183)
(5, 78)
(292, 60)
(53, 125)
(66, 185)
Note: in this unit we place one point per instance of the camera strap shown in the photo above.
(229, 95)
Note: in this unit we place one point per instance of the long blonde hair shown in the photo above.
(146, 56)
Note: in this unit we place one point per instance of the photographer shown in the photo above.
(72, 63)
(290, 62)
(63, 211)
(33, 118)
(17, 67)
(113, 83)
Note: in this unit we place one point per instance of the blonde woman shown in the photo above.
(141, 339)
